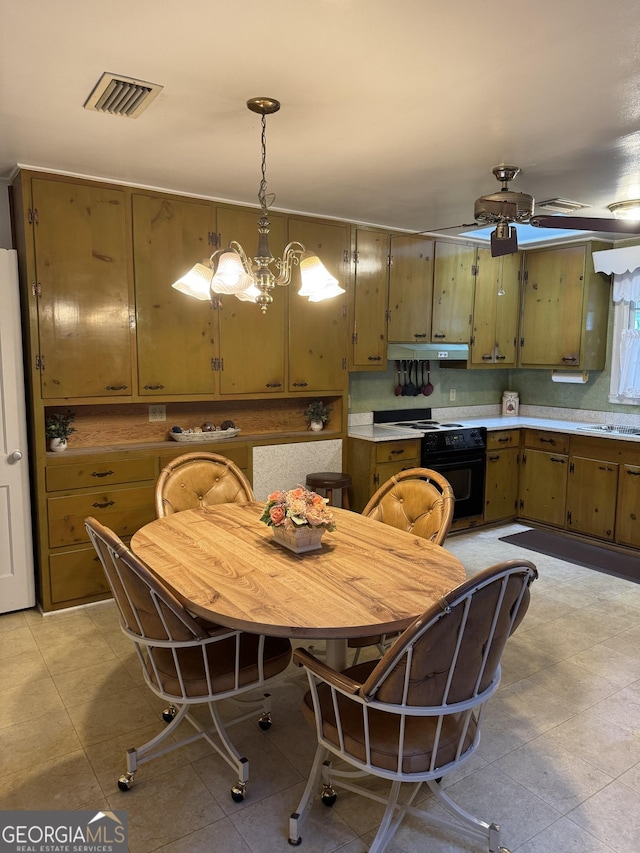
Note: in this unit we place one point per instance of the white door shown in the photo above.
(16, 554)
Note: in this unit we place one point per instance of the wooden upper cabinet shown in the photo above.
(175, 332)
(318, 331)
(252, 344)
(410, 289)
(369, 334)
(495, 310)
(453, 285)
(564, 309)
(83, 290)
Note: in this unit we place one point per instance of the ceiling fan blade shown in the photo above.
(504, 241)
(585, 223)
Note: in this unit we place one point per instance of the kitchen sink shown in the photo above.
(611, 429)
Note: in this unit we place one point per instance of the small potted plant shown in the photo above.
(58, 429)
(317, 414)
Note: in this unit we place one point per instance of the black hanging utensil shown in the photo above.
(428, 388)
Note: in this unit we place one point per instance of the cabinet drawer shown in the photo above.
(393, 451)
(503, 438)
(554, 442)
(123, 510)
(76, 575)
(83, 474)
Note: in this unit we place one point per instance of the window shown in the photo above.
(625, 356)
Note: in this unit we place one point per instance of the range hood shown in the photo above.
(428, 352)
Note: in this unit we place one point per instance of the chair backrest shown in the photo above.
(195, 480)
(452, 653)
(417, 500)
(147, 608)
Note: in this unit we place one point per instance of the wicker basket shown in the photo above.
(301, 539)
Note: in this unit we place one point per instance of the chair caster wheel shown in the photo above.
(125, 782)
(296, 842)
(238, 791)
(169, 714)
(328, 795)
(265, 721)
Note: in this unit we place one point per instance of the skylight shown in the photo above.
(527, 234)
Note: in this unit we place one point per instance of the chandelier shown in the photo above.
(231, 272)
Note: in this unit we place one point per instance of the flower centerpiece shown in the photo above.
(298, 518)
(317, 415)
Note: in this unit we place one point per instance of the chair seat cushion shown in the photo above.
(220, 660)
(384, 730)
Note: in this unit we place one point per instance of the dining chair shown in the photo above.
(415, 715)
(200, 479)
(185, 660)
(419, 501)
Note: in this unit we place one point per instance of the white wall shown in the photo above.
(5, 222)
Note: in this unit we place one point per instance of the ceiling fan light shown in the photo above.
(197, 282)
(626, 209)
(230, 276)
(317, 281)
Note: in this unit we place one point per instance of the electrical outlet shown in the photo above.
(452, 395)
(157, 413)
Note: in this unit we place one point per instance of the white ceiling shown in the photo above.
(393, 111)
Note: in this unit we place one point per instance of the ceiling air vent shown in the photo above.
(561, 205)
(121, 96)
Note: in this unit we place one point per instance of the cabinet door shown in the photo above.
(252, 344)
(543, 486)
(370, 300)
(84, 307)
(628, 506)
(453, 284)
(591, 497)
(501, 485)
(552, 307)
(318, 342)
(410, 289)
(175, 332)
(495, 310)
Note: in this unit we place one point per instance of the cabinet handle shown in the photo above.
(561, 461)
(494, 458)
(500, 357)
(604, 468)
(547, 441)
(487, 357)
(115, 388)
(374, 357)
(439, 336)
(571, 358)
(633, 473)
(396, 452)
(505, 438)
(153, 387)
(419, 334)
(101, 473)
(273, 385)
(104, 505)
(300, 384)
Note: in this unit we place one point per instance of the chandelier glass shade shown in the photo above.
(232, 272)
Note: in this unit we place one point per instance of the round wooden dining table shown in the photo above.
(367, 578)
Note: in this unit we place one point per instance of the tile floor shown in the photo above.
(558, 765)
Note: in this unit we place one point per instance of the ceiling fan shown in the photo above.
(505, 207)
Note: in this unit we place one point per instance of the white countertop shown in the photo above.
(378, 432)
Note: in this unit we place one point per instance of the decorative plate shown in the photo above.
(214, 435)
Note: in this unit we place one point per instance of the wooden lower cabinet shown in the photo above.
(628, 506)
(371, 463)
(501, 484)
(543, 486)
(591, 497)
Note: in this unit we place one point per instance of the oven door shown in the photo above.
(465, 472)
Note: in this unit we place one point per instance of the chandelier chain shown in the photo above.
(265, 201)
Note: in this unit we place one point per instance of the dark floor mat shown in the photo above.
(581, 553)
